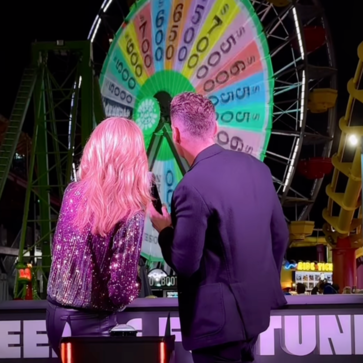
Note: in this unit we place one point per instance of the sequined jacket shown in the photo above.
(93, 272)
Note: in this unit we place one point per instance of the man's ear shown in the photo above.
(216, 127)
(176, 135)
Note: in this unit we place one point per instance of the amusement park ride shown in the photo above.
(343, 230)
(267, 65)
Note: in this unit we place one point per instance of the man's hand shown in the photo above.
(159, 221)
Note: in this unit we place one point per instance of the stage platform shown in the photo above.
(311, 329)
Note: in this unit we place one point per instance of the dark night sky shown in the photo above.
(25, 21)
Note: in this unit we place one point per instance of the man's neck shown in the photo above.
(192, 153)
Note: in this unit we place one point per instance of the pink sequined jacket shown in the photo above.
(92, 272)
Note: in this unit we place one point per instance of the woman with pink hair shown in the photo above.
(97, 243)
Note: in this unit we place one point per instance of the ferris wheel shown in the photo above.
(267, 66)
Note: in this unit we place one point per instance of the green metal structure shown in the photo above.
(61, 88)
(8, 146)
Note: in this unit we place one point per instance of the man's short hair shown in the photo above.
(195, 113)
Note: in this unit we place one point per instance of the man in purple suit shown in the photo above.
(225, 239)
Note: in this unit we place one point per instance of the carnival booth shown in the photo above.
(307, 273)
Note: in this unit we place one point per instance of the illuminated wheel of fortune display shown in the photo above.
(215, 48)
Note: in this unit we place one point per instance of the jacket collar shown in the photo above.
(207, 153)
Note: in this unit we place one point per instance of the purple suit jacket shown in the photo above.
(227, 248)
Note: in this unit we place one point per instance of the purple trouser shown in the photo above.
(81, 323)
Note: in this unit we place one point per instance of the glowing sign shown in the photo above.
(312, 266)
(290, 266)
(309, 266)
(159, 280)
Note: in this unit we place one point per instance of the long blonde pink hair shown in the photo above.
(113, 176)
